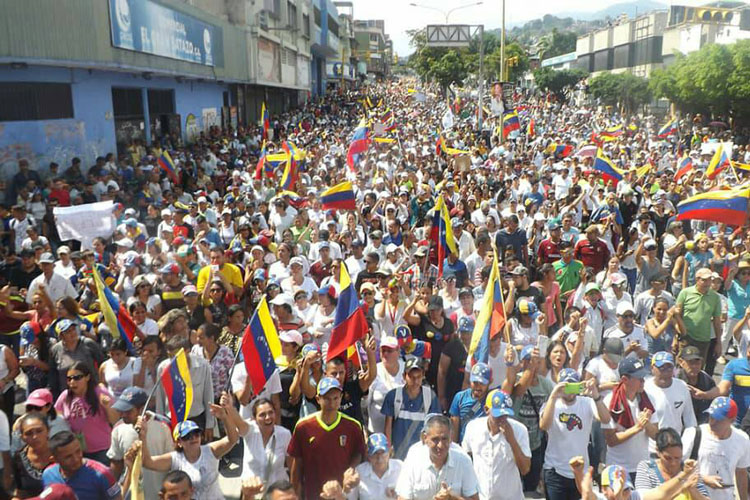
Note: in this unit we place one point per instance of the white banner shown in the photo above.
(448, 120)
(85, 222)
(709, 148)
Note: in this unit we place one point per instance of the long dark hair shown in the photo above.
(91, 398)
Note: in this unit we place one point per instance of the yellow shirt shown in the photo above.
(229, 271)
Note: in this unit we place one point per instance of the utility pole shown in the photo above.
(502, 47)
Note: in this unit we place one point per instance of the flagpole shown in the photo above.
(239, 349)
(151, 394)
(737, 177)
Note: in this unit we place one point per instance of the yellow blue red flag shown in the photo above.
(260, 347)
(178, 387)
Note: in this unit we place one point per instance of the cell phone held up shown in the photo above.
(573, 388)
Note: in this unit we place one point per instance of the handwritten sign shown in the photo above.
(85, 222)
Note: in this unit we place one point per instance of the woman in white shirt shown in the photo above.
(376, 478)
(118, 372)
(390, 376)
(265, 445)
(137, 311)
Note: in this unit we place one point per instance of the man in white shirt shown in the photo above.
(723, 451)
(433, 468)
(65, 267)
(55, 286)
(633, 420)
(670, 396)
(633, 336)
(499, 447)
(568, 419)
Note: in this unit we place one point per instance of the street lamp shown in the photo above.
(446, 13)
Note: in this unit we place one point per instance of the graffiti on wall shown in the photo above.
(43, 142)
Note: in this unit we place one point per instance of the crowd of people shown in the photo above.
(616, 318)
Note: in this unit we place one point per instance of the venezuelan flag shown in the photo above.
(265, 120)
(683, 167)
(261, 162)
(358, 146)
(115, 315)
(611, 133)
(719, 162)
(741, 166)
(510, 123)
(166, 163)
(440, 145)
(668, 129)
(606, 167)
(295, 200)
(728, 206)
(530, 129)
(491, 319)
(442, 232)
(289, 177)
(563, 150)
(349, 323)
(178, 387)
(340, 197)
(260, 346)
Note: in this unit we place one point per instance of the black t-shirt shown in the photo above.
(457, 353)
(437, 337)
(22, 279)
(705, 383)
(533, 293)
(351, 401)
(289, 412)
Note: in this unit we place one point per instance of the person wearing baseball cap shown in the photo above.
(568, 418)
(467, 405)
(378, 475)
(704, 388)
(701, 312)
(632, 335)
(324, 446)
(405, 408)
(499, 444)
(719, 437)
(669, 395)
(735, 384)
(130, 405)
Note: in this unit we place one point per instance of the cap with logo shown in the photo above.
(721, 408)
(499, 404)
(633, 367)
(64, 325)
(662, 358)
(413, 363)
(184, 428)
(568, 375)
(690, 353)
(481, 373)
(131, 397)
(526, 306)
(613, 473)
(465, 324)
(326, 384)
(376, 443)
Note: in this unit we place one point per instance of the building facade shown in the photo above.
(374, 48)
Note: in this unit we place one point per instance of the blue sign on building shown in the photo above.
(145, 26)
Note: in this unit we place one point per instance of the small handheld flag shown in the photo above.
(166, 163)
(718, 163)
(178, 387)
(349, 324)
(115, 315)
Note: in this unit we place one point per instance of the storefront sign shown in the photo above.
(145, 26)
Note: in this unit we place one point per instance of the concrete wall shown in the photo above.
(91, 132)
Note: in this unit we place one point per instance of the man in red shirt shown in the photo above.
(592, 251)
(60, 193)
(325, 444)
(549, 249)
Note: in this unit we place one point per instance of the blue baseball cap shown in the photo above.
(184, 428)
(465, 324)
(29, 332)
(721, 408)
(526, 306)
(527, 351)
(64, 325)
(377, 442)
(662, 358)
(326, 384)
(612, 473)
(260, 274)
(568, 375)
(131, 397)
(633, 367)
(481, 373)
(499, 403)
(308, 348)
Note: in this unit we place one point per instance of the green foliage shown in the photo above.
(622, 90)
(557, 43)
(713, 80)
(450, 68)
(556, 81)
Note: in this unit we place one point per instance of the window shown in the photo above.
(291, 12)
(127, 102)
(373, 37)
(35, 101)
(306, 25)
(316, 12)
(275, 10)
(160, 102)
(333, 26)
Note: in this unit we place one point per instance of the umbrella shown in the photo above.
(718, 124)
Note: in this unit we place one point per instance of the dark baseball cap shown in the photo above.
(689, 353)
(633, 367)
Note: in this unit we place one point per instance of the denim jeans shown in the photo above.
(531, 479)
(558, 487)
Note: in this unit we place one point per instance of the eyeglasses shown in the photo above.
(215, 290)
(627, 315)
(30, 408)
(76, 378)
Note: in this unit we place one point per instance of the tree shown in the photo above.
(623, 90)
(449, 69)
(556, 81)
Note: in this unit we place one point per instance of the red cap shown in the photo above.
(57, 491)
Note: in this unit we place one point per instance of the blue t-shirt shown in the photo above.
(738, 299)
(737, 372)
(411, 410)
(93, 481)
(463, 408)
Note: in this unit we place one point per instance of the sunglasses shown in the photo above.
(215, 290)
(30, 408)
(75, 377)
(191, 435)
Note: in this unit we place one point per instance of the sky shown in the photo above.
(399, 16)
